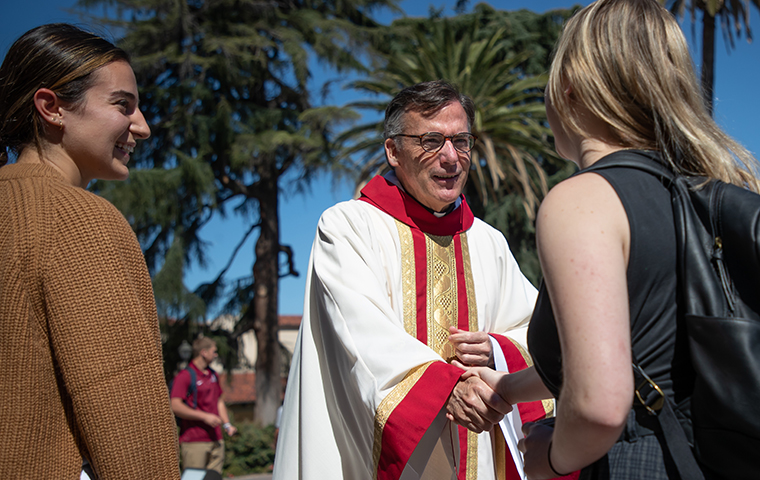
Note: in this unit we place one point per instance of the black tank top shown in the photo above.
(658, 341)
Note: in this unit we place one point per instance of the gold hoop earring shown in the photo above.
(60, 123)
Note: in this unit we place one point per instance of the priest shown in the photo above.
(406, 286)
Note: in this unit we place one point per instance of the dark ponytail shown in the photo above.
(57, 56)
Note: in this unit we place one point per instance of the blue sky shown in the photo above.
(736, 109)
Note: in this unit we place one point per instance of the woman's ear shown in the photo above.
(49, 107)
(569, 92)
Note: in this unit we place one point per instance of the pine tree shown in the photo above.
(224, 87)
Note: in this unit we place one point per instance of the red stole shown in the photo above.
(438, 292)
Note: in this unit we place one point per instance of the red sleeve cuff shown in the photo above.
(407, 412)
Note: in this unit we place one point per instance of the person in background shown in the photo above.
(621, 80)
(202, 410)
(401, 282)
(83, 371)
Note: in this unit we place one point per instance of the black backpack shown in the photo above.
(718, 245)
(191, 389)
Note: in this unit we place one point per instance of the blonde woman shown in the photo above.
(621, 79)
(82, 376)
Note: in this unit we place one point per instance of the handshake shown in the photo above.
(474, 403)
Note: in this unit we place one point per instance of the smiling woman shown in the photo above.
(84, 124)
(102, 131)
(83, 377)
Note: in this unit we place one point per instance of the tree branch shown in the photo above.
(291, 266)
(207, 290)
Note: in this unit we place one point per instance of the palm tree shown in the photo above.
(510, 120)
(733, 16)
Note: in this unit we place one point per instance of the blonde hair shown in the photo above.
(202, 343)
(628, 64)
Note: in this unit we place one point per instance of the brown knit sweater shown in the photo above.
(81, 352)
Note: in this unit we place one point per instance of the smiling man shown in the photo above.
(402, 283)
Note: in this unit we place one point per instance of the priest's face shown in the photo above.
(435, 179)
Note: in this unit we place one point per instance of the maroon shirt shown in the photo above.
(209, 392)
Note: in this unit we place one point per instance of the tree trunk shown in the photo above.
(708, 59)
(263, 307)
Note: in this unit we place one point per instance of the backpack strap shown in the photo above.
(649, 394)
(193, 387)
(633, 159)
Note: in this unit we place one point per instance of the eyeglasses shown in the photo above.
(433, 141)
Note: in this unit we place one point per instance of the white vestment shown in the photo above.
(365, 396)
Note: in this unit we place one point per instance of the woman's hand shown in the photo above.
(496, 380)
(535, 447)
(475, 406)
(489, 379)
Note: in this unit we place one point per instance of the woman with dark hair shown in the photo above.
(621, 79)
(83, 376)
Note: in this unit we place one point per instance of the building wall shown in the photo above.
(239, 388)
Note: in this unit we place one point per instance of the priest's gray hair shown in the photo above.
(427, 99)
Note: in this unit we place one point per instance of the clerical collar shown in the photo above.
(391, 177)
(390, 197)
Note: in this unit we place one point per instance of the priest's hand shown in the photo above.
(474, 405)
(472, 348)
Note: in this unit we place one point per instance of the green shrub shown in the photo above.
(250, 451)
